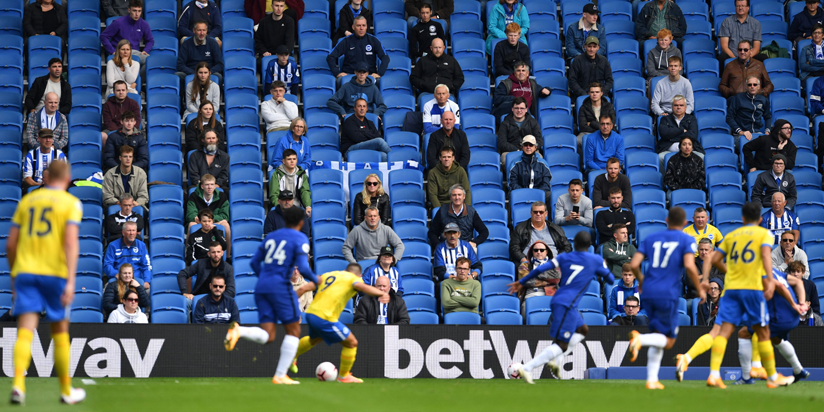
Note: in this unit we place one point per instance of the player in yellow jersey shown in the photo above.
(748, 285)
(46, 222)
(336, 288)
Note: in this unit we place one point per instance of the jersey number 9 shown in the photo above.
(328, 282)
(275, 253)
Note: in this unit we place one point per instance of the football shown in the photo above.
(327, 372)
(512, 371)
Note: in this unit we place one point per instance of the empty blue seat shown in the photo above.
(701, 66)
(626, 65)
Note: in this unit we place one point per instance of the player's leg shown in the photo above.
(757, 370)
(765, 347)
(565, 323)
(719, 346)
(260, 335)
(745, 356)
(577, 337)
(347, 359)
(288, 348)
(306, 343)
(62, 355)
(26, 323)
(787, 350)
(664, 315)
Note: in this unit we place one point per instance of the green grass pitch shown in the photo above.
(385, 395)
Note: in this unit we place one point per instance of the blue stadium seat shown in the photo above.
(712, 123)
(556, 123)
(310, 26)
(710, 104)
(544, 28)
(626, 65)
(422, 317)
(238, 27)
(488, 251)
(645, 179)
(424, 302)
(461, 27)
(780, 67)
(462, 318)
(634, 123)
(706, 86)
(639, 142)
(546, 46)
(405, 178)
(723, 179)
(702, 66)
(767, 11)
(86, 315)
(408, 215)
(648, 197)
(631, 105)
(620, 29)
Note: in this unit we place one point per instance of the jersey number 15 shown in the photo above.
(44, 220)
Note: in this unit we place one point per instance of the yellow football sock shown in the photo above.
(719, 346)
(22, 357)
(303, 346)
(756, 354)
(62, 354)
(703, 344)
(347, 359)
(767, 357)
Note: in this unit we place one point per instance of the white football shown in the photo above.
(512, 371)
(326, 372)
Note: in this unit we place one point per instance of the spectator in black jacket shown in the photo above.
(797, 269)
(114, 291)
(205, 119)
(216, 308)
(463, 215)
(37, 90)
(615, 214)
(130, 135)
(358, 47)
(436, 68)
(205, 270)
(515, 127)
(388, 309)
(346, 18)
(114, 222)
(46, 17)
(510, 51)
(802, 23)
(708, 310)
(530, 171)
(518, 84)
(605, 182)
(442, 9)
(200, 10)
(588, 121)
(537, 227)
(767, 146)
(279, 30)
(421, 36)
(371, 195)
(359, 133)
(448, 135)
(775, 180)
(673, 20)
(275, 220)
(588, 68)
(209, 160)
(685, 170)
(197, 245)
(631, 317)
(673, 128)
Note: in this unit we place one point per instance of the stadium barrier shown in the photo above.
(414, 351)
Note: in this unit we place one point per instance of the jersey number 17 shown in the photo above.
(670, 247)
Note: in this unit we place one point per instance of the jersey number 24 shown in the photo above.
(275, 253)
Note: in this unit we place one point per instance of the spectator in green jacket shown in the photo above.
(206, 197)
(461, 293)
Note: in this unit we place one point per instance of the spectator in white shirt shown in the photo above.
(573, 208)
(668, 88)
(433, 109)
(278, 112)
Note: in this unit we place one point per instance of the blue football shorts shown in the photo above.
(37, 293)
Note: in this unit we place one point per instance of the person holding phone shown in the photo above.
(573, 208)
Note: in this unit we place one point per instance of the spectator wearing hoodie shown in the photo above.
(803, 23)
(573, 208)
(368, 238)
(765, 147)
(128, 311)
(603, 145)
(346, 18)
(452, 248)
(510, 51)
(275, 220)
(589, 114)
(360, 133)
(277, 112)
(444, 176)
(458, 211)
(127, 134)
(448, 135)
(811, 56)
(673, 85)
(631, 315)
(389, 309)
(518, 84)
(437, 68)
(200, 10)
(530, 171)
(589, 67)
(586, 26)
(132, 28)
(618, 251)
(361, 86)
(424, 32)
(206, 197)
(275, 31)
(197, 245)
(708, 310)
(621, 292)
(658, 57)
(358, 47)
(296, 140)
(503, 13)
(289, 176)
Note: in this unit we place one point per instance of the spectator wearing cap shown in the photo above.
(530, 171)
(458, 211)
(774, 181)
(503, 13)
(425, 31)
(657, 15)
(573, 207)
(277, 112)
(803, 23)
(358, 47)
(48, 118)
(200, 10)
(283, 69)
(444, 176)
(436, 68)
(586, 26)
(589, 67)
(518, 84)
(361, 86)
(765, 147)
(515, 126)
(389, 309)
(780, 220)
(367, 239)
(603, 145)
(37, 161)
(274, 31)
(448, 135)
(289, 176)
(274, 219)
(385, 266)
(360, 133)
(461, 293)
(708, 310)
(452, 248)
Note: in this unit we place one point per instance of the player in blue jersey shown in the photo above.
(783, 319)
(567, 327)
(669, 252)
(274, 262)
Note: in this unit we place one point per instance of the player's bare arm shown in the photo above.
(798, 286)
(514, 287)
(71, 246)
(307, 287)
(635, 265)
(768, 280)
(369, 290)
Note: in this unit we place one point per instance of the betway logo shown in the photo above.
(105, 363)
(469, 354)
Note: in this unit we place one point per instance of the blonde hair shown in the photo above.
(116, 59)
(367, 198)
(123, 287)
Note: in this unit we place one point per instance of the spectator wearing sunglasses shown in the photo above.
(736, 73)
(749, 112)
(372, 194)
(216, 308)
(546, 283)
(128, 311)
(631, 316)
(537, 227)
(205, 270)
(787, 252)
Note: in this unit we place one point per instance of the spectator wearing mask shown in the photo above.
(115, 293)
(37, 161)
(48, 118)
(450, 250)
(371, 195)
(128, 249)
(201, 89)
(360, 87)
(546, 283)
(675, 127)
(515, 126)
(510, 51)
(200, 10)
(530, 171)
(296, 140)
(589, 67)
(811, 56)
(603, 145)
(673, 85)
(631, 315)
(424, 32)
(358, 47)
(127, 135)
(503, 13)
(605, 182)
(618, 252)
(458, 211)
(197, 245)
(114, 222)
(434, 109)
(773, 181)
(736, 73)
(435, 69)
(765, 147)
(367, 239)
(385, 266)
(658, 57)
(275, 31)
(607, 219)
(207, 197)
(589, 114)
(748, 112)
(209, 160)
(275, 219)
(128, 311)
(788, 252)
(444, 176)
(50, 83)
(132, 28)
(205, 270)
(359, 133)
(389, 309)
(518, 84)
(461, 293)
(126, 178)
(685, 170)
(573, 208)
(216, 307)
(537, 227)
(346, 18)
(448, 135)
(708, 310)
(289, 176)
(623, 293)
(279, 113)
(285, 69)
(205, 120)
(649, 20)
